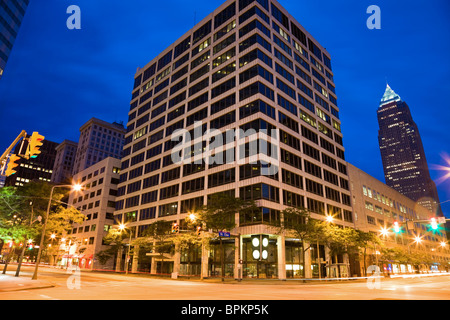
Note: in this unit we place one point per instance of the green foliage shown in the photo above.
(299, 224)
(219, 215)
(20, 208)
(114, 239)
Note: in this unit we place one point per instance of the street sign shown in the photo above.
(224, 234)
(441, 220)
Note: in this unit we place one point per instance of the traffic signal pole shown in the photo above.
(23, 134)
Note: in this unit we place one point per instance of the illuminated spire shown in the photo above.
(389, 96)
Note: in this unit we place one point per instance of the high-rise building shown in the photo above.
(65, 158)
(96, 201)
(39, 168)
(248, 65)
(402, 153)
(11, 16)
(98, 140)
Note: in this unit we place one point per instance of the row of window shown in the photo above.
(283, 34)
(252, 192)
(373, 194)
(260, 215)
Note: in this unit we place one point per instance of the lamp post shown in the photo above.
(76, 187)
(123, 227)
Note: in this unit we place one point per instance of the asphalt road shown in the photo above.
(101, 286)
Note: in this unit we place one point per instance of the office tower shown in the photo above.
(39, 168)
(65, 157)
(98, 140)
(402, 153)
(248, 65)
(96, 201)
(11, 15)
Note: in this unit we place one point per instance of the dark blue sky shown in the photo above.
(57, 79)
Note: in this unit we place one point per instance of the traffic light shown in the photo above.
(260, 246)
(34, 143)
(175, 228)
(11, 165)
(396, 227)
(199, 229)
(434, 224)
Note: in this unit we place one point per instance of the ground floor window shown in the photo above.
(191, 260)
(214, 263)
(294, 259)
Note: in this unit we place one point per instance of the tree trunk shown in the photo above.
(365, 264)
(10, 254)
(222, 259)
(20, 260)
(303, 260)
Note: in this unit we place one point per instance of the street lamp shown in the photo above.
(75, 187)
(417, 239)
(192, 217)
(121, 228)
(329, 219)
(384, 232)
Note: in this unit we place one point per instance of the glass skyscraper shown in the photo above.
(402, 153)
(11, 15)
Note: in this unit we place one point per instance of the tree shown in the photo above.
(298, 222)
(395, 254)
(19, 208)
(187, 241)
(219, 215)
(159, 233)
(114, 239)
(364, 240)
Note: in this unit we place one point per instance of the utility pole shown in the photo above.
(24, 244)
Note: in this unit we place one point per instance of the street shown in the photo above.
(103, 286)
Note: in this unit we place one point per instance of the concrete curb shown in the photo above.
(24, 288)
(11, 283)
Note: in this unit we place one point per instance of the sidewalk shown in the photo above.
(11, 283)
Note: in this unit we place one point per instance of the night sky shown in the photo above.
(57, 79)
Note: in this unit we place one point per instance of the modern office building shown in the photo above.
(98, 140)
(12, 13)
(65, 158)
(248, 65)
(402, 153)
(377, 206)
(39, 168)
(97, 202)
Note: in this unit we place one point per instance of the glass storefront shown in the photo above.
(261, 269)
(317, 259)
(191, 261)
(294, 259)
(214, 265)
